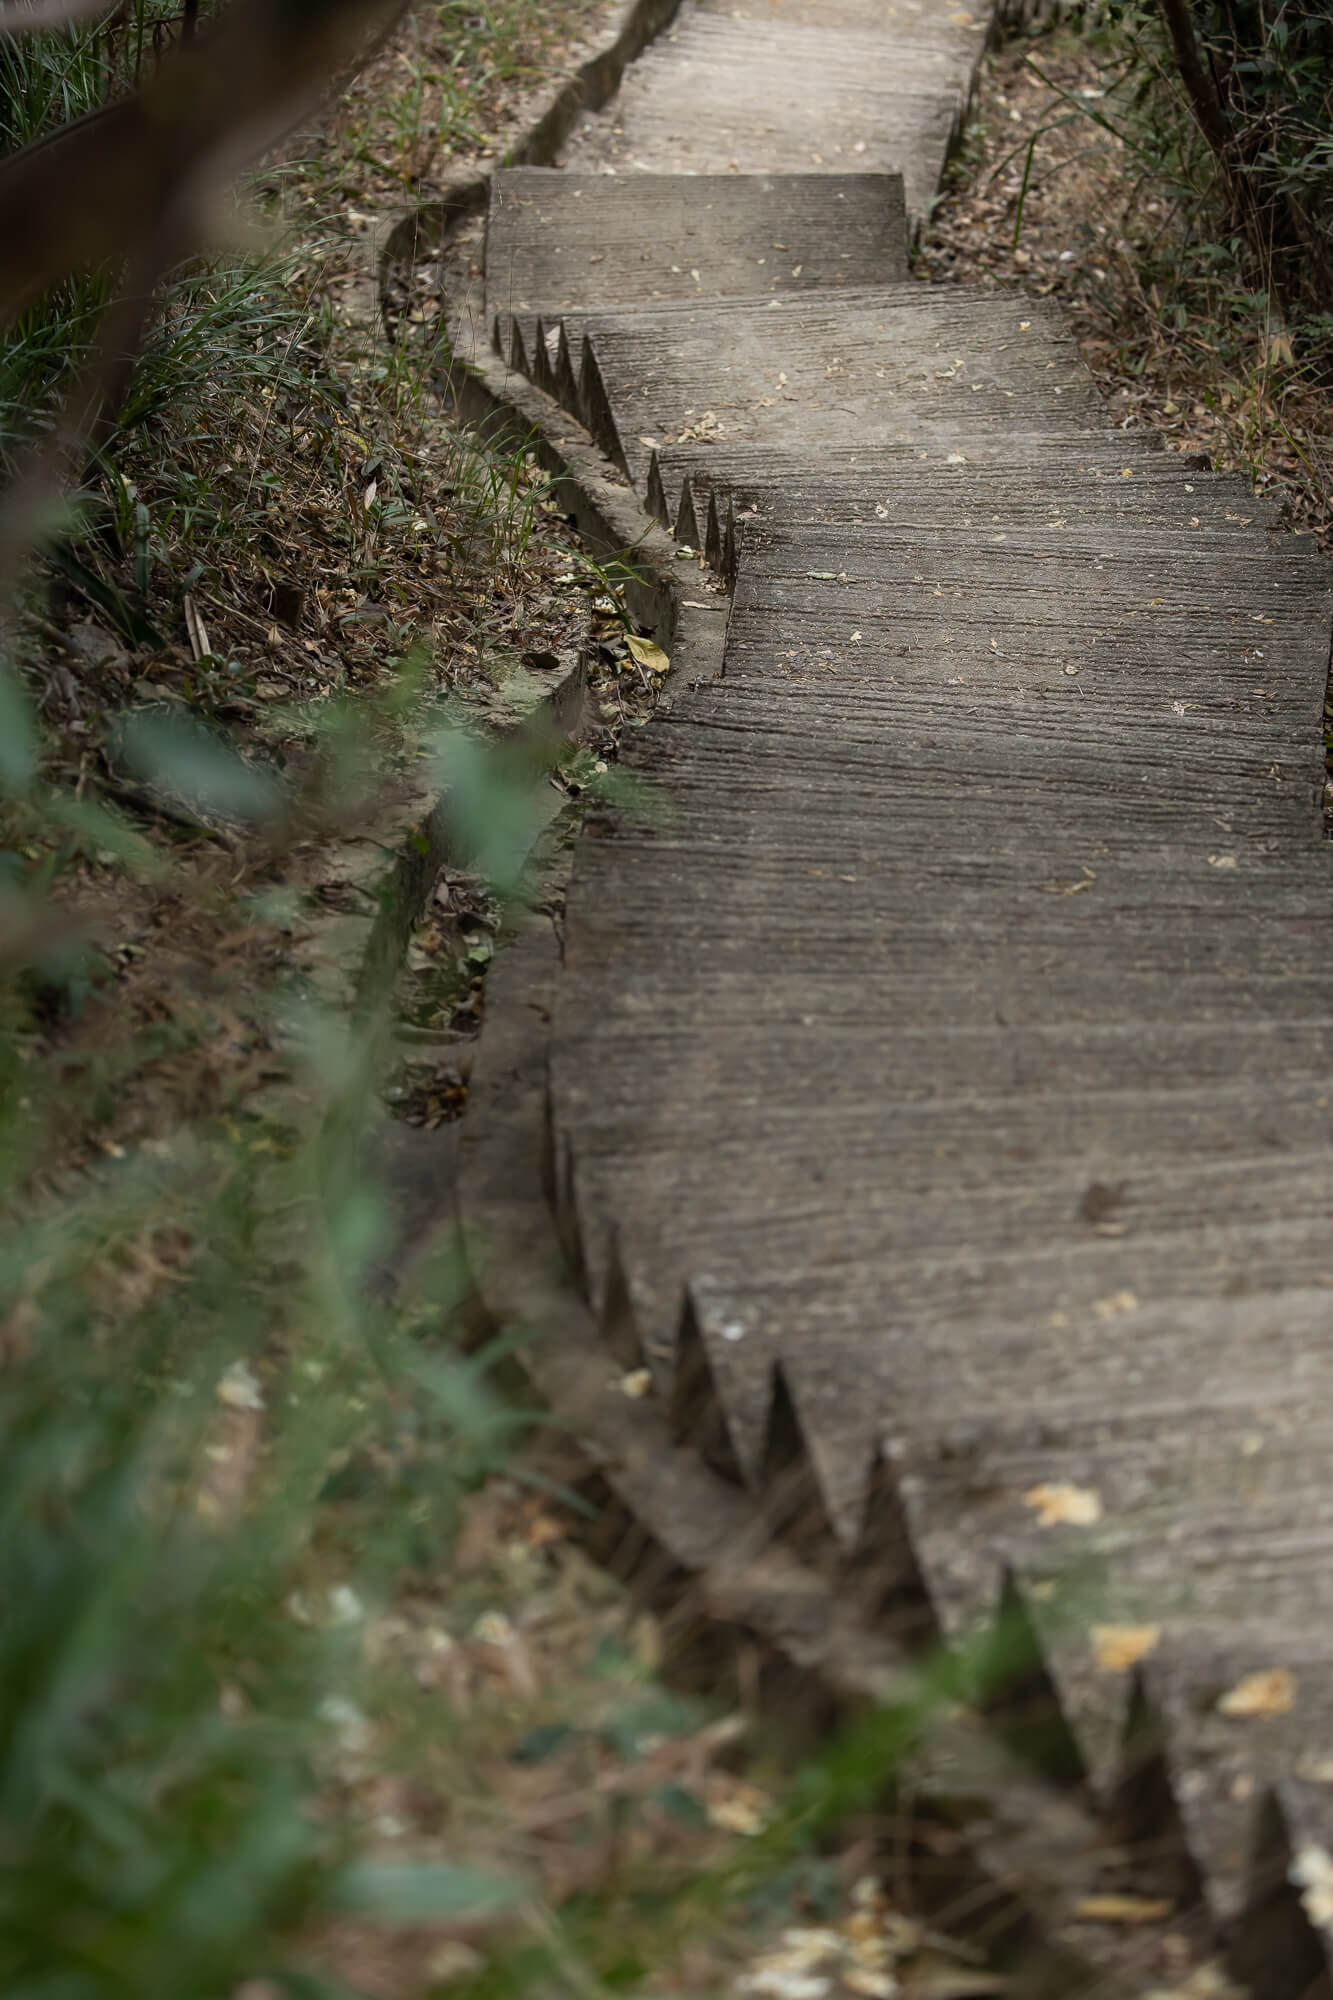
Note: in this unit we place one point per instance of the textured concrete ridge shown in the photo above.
(943, 1052)
(729, 233)
(826, 84)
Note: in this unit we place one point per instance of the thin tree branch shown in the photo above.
(1204, 100)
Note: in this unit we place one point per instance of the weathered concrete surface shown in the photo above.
(689, 238)
(950, 1026)
(949, 371)
(963, 1040)
(837, 85)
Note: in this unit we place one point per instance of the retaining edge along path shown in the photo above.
(935, 1087)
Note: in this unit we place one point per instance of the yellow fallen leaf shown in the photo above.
(1271, 1691)
(647, 654)
(1312, 1873)
(1063, 1505)
(1315, 1769)
(872, 1984)
(1123, 1909)
(1116, 1304)
(745, 1811)
(1117, 1648)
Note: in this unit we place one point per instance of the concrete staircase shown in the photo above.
(943, 1049)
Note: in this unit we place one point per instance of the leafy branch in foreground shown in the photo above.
(192, 1369)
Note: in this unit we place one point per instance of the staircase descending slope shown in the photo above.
(787, 85)
(947, 1044)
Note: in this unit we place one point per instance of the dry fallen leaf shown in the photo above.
(941, 1980)
(647, 654)
(1312, 1873)
(1271, 1691)
(1117, 1648)
(239, 1389)
(196, 630)
(1315, 1769)
(453, 1961)
(1123, 1909)
(737, 1807)
(779, 1982)
(1063, 1505)
(1205, 1982)
(871, 1984)
(1116, 1304)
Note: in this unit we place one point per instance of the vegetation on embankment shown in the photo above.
(1192, 254)
(1084, 176)
(306, 1686)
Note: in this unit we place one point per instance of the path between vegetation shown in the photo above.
(939, 1073)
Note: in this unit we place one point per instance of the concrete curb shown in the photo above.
(604, 510)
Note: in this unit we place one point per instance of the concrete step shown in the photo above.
(1213, 639)
(1080, 1242)
(557, 240)
(913, 23)
(942, 1052)
(1093, 478)
(830, 371)
(854, 90)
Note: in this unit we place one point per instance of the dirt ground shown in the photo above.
(1046, 199)
(320, 555)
